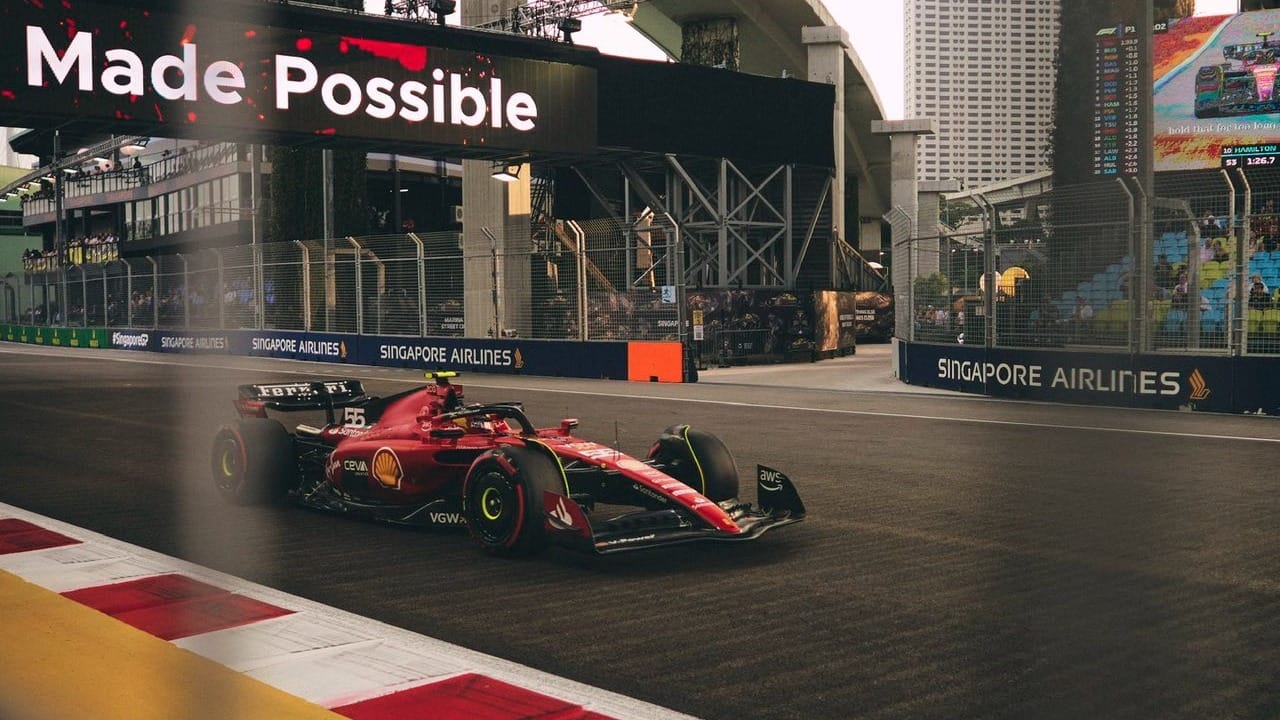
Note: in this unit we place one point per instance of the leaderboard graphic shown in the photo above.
(1214, 92)
(1117, 100)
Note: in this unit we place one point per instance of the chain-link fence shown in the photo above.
(1079, 268)
(594, 281)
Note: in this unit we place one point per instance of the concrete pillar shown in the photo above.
(827, 46)
(495, 305)
(928, 215)
(711, 42)
(503, 210)
(904, 193)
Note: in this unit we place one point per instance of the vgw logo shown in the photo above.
(446, 518)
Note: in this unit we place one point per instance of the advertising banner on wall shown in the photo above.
(533, 357)
(132, 340)
(191, 341)
(835, 321)
(1151, 381)
(253, 69)
(320, 347)
(755, 325)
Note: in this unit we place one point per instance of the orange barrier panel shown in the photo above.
(654, 362)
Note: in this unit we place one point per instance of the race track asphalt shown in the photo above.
(963, 557)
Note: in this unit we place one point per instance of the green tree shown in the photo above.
(932, 289)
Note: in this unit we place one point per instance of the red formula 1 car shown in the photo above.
(426, 458)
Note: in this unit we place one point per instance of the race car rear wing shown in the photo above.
(255, 399)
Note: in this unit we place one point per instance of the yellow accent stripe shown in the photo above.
(556, 457)
(701, 475)
(60, 659)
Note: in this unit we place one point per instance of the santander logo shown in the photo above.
(449, 99)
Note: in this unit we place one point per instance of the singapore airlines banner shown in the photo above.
(249, 72)
(1169, 382)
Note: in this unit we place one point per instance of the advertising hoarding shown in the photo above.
(175, 70)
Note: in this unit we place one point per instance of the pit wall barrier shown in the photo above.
(637, 361)
(1244, 384)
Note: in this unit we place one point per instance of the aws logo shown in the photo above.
(1199, 387)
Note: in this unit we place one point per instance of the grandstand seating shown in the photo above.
(1111, 310)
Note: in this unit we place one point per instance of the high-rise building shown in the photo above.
(984, 69)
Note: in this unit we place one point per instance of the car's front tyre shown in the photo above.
(697, 459)
(503, 499)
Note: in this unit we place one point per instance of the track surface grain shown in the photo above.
(963, 558)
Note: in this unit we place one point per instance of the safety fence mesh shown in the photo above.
(1085, 267)
(593, 281)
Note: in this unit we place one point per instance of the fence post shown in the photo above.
(990, 274)
(359, 284)
(155, 292)
(128, 294)
(580, 277)
(259, 285)
(420, 253)
(306, 284)
(688, 364)
(1239, 271)
(496, 332)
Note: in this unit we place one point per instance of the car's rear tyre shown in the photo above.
(253, 461)
(697, 459)
(503, 499)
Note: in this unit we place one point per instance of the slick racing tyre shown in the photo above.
(502, 499)
(253, 461)
(697, 459)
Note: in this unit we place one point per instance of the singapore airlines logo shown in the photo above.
(1199, 388)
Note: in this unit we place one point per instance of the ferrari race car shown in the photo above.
(1245, 90)
(425, 458)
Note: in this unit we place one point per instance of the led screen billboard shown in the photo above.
(1215, 83)
(171, 69)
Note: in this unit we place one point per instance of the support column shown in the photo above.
(904, 194)
(928, 214)
(502, 209)
(827, 46)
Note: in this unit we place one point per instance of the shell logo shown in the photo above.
(386, 468)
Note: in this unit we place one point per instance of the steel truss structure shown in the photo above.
(740, 226)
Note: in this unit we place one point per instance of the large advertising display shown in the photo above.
(1215, 89)
(173, 69)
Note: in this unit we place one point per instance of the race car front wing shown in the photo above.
(778, 504)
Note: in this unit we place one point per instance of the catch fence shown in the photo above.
(590, 281)
(1085, 267)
